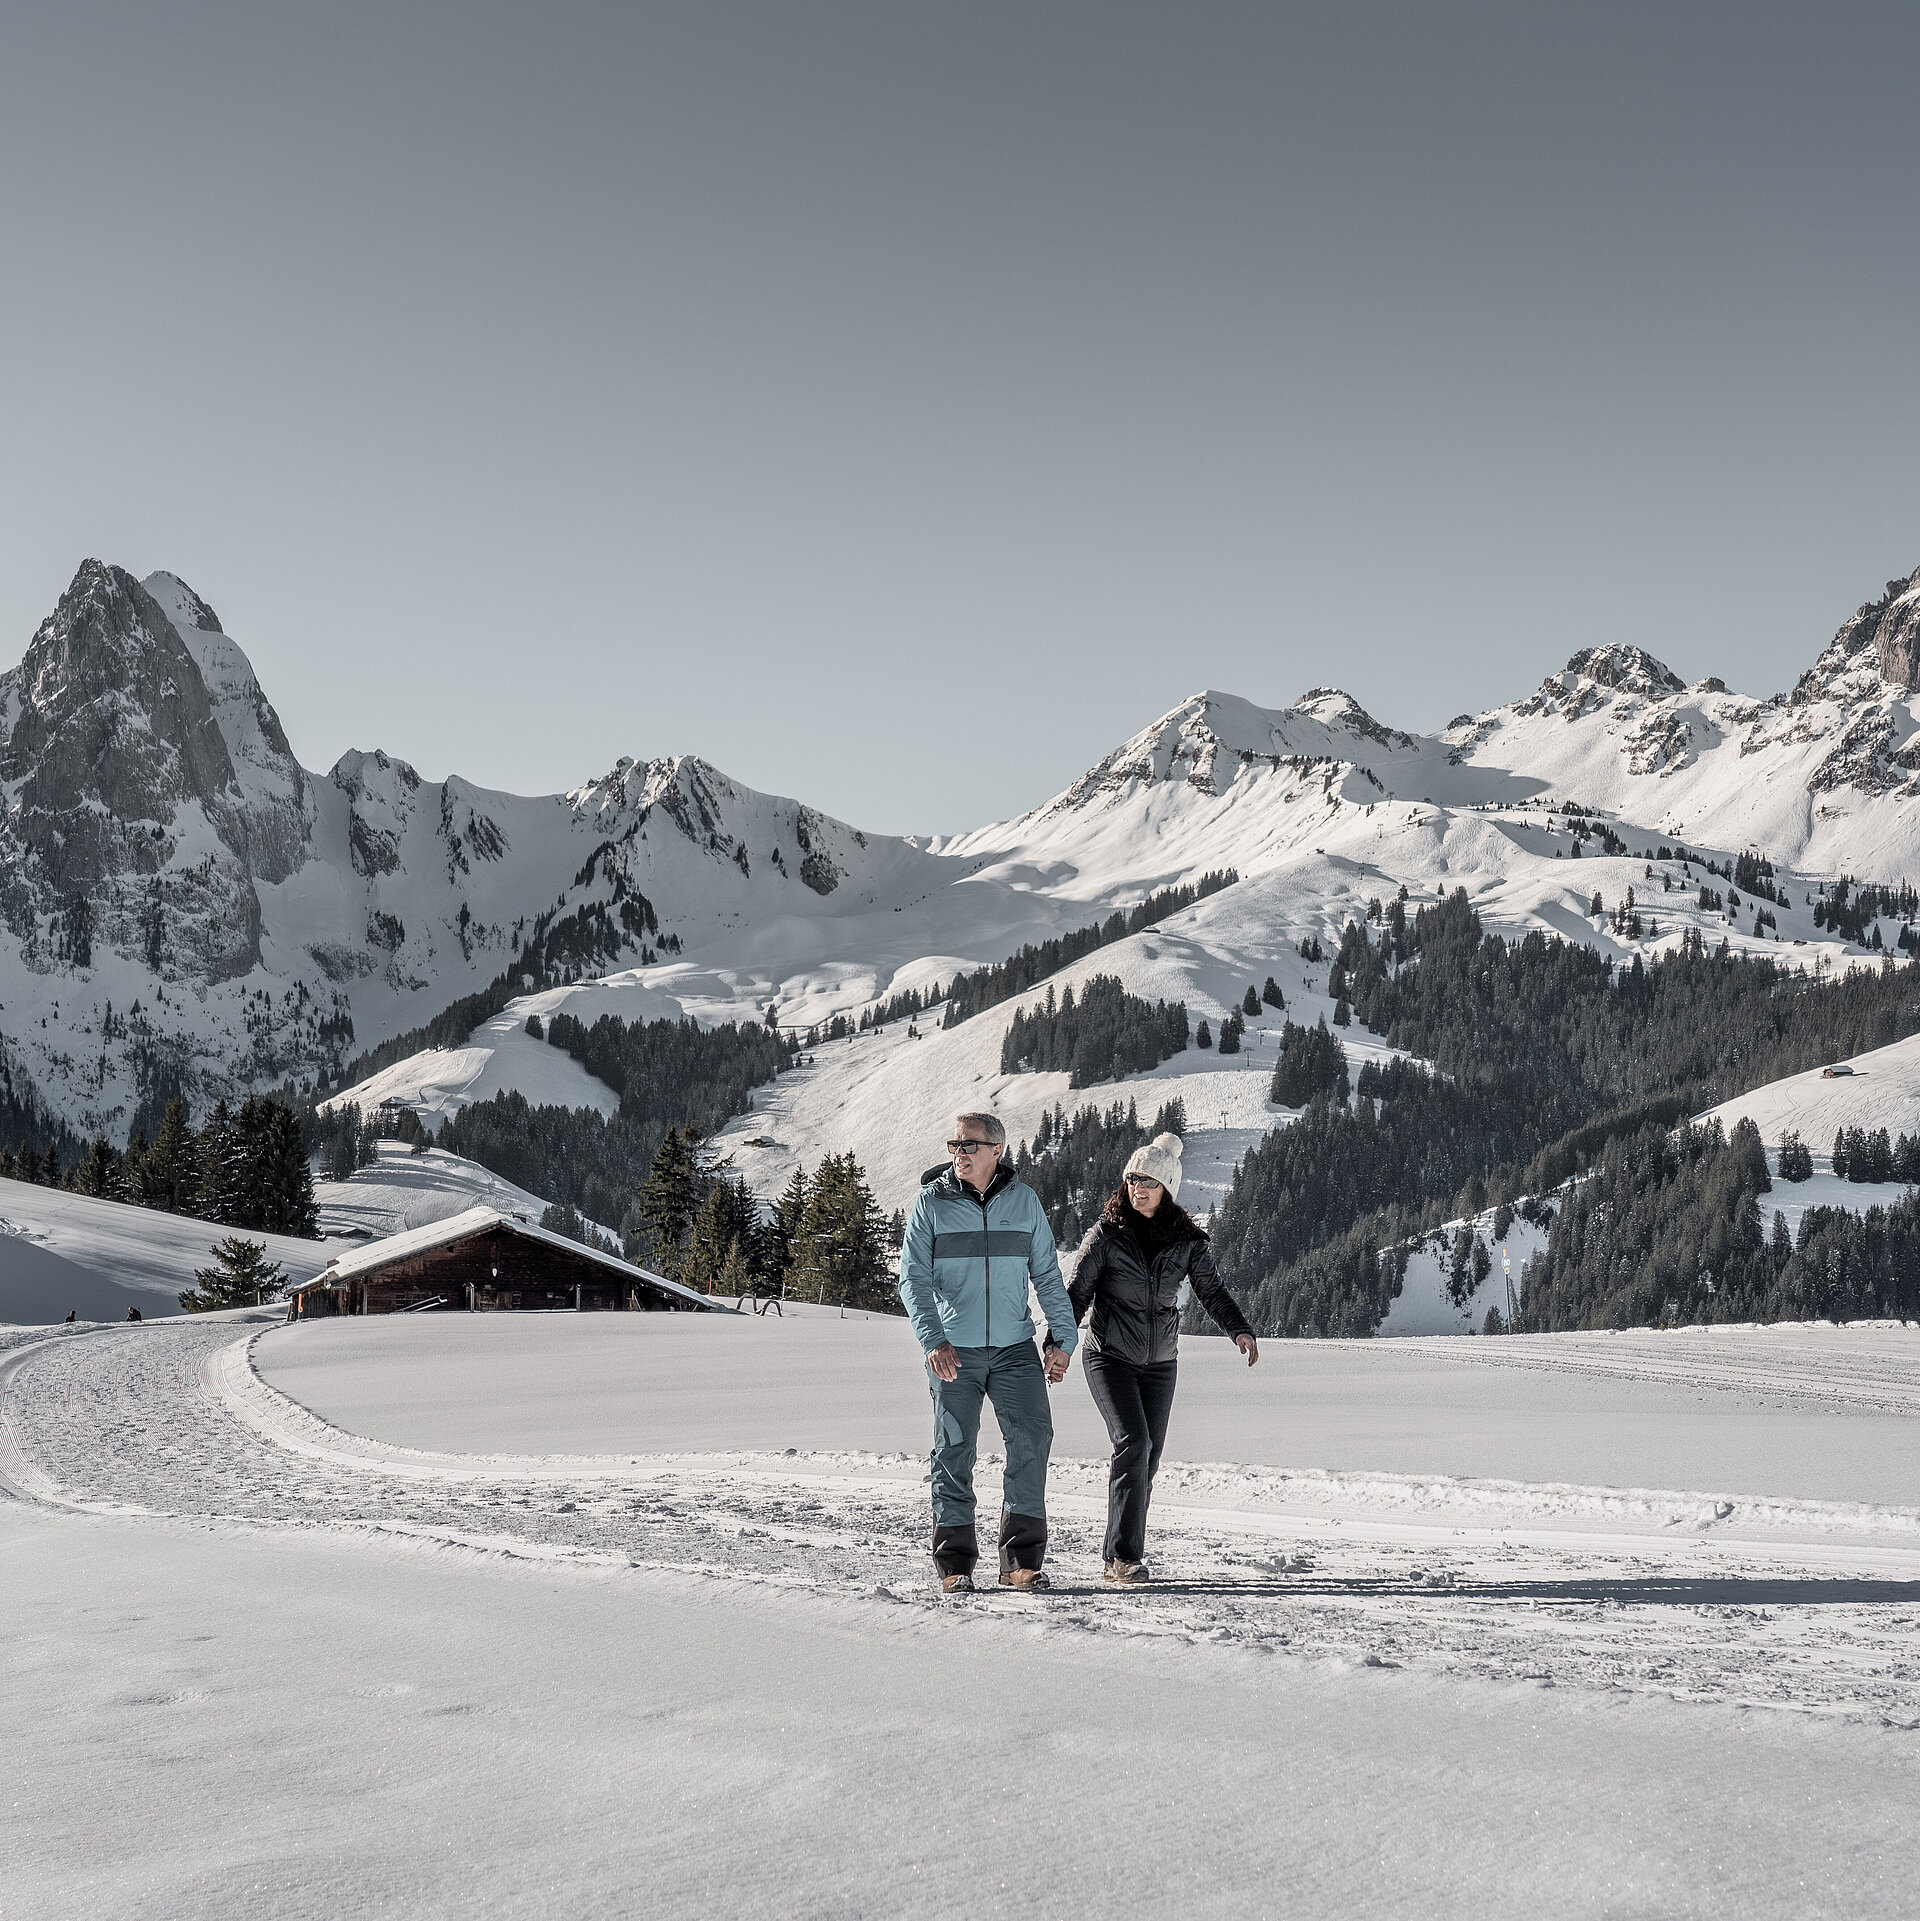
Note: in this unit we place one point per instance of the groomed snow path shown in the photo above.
(258, 1663)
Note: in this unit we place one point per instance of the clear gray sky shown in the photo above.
(900, 405)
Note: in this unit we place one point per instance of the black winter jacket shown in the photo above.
(1130, 1271)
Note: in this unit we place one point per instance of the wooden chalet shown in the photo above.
(485, 1260)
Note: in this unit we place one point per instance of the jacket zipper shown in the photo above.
(986, 1263)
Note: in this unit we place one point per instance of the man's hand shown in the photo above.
(944, 1361)
(1055, 1361)
(1247, 1346)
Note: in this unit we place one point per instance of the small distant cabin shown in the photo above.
(484, 1261)
(1839, 1070)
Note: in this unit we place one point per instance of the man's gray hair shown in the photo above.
(986, 1126)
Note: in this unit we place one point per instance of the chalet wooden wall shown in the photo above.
(505, 1271)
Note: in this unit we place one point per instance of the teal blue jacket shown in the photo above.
(967, 1260)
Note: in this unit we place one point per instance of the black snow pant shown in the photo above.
(1135, 1403)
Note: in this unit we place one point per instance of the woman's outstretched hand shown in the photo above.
(1247, 1346)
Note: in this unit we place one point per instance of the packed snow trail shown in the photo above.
(1808, 1607)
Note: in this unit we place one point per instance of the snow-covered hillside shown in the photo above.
(1882, 1089)
(404, 1190)
(61, 1251)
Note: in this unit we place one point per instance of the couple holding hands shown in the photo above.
(976, 1239)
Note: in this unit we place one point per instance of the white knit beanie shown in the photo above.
(1159, 1161)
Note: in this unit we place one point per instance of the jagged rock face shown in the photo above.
(147, 777)
(1884, 634)
(112, 730)
(382, 795)
(266, 817)
(1630, 670)
(712, 813)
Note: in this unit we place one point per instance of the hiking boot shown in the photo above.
(1023, 1577)
(1127, 1574)
(956, 1584)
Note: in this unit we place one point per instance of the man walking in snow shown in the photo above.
(976, 1240)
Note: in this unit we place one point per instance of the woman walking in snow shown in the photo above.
(1131, 1266)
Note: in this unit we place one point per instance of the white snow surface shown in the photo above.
(146, 1258)
(1653, 1599)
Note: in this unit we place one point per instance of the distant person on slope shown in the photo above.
(975, 1241)
(1131, 1266)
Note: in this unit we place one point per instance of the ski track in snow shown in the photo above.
(1798, 1606)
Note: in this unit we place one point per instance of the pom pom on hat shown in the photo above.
(1159, 1161)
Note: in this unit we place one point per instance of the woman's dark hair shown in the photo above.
(1168, 1214)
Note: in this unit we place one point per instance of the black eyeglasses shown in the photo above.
(969, 1147)
(1141, 1180)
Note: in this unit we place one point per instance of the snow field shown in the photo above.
(383, 1727)
(697, 1633)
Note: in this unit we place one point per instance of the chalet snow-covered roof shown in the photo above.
(479, 1220)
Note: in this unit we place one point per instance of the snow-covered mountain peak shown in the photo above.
(1213, 743)
(1333, 707)
(183, 606)
(1625, 669)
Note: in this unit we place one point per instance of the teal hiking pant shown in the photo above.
(1011, 1378)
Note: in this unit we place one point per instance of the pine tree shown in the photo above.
(241, 1276)
(169, 1174)
(341, 1154)
(217, 1164)
(1271, 994)
(1250, 1006)
(1840, 1154)
(669, 1199)
(284, 1178)
(99, 1174)
(725, 1252)
(1204, 1038)
(841, 1253)
(784, 1230)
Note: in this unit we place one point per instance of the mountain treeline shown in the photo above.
(27, 1126)
(677, 1073)
(1104, 1035)
(987, 987)
(246, 1169)
(1546, 1055)
(1669, 1227)
(1074, 1164)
